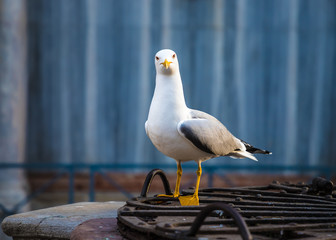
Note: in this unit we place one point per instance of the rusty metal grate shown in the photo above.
(275, 211)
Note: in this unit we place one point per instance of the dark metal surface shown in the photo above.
(275, 211)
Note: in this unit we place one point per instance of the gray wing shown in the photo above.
(208, 134)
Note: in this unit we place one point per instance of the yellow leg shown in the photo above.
(178, 179)
(199, 173)
(178, 182)
(193, 200)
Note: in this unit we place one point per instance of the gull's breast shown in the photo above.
(167, 140)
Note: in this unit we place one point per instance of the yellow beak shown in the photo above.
(166, 63)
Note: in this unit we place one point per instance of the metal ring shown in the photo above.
(149, 179)
(243, 229)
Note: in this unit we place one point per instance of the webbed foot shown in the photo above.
(165, 195)
(191, 200)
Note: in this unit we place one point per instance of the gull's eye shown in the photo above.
(157, 58)
(174, 55)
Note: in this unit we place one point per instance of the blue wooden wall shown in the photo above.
(266, 69)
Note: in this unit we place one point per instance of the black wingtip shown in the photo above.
(259, 151)
(254, 150)
(264, 152)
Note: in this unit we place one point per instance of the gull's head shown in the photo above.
(166, 62)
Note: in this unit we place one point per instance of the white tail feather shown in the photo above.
(243, 154)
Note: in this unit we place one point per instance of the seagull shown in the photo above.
(186, 134)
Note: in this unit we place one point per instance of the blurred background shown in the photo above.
(77, 78)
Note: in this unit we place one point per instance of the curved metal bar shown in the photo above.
(149, 179)
(243, 229)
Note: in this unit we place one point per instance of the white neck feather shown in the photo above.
(168, 100)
